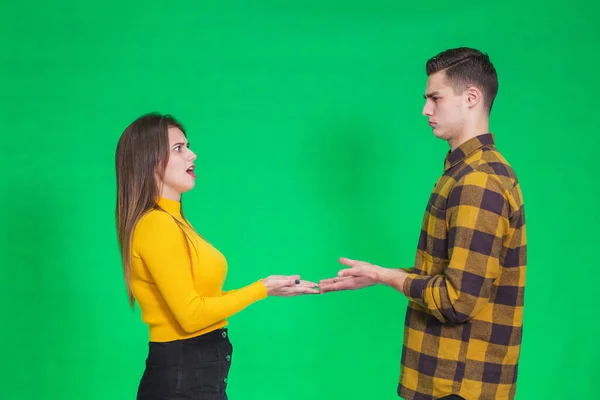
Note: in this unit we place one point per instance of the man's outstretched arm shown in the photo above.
(477, 215)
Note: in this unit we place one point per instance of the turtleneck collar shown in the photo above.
(170, 206)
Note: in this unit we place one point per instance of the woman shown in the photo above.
(176, 276)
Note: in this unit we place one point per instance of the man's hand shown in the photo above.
(360, 275)
(347, 283)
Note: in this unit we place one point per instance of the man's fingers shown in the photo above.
(328, 281)
(349, 262)
(349, 272)
(334, 287)
(341, 284)
(337, 279)
(333, 284)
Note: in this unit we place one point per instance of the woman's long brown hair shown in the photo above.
(142, 155)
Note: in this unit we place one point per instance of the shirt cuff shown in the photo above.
(414, 288)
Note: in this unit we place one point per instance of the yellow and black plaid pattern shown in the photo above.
(464, 320)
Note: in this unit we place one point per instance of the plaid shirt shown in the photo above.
(464, 320)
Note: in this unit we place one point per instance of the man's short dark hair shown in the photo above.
(465, 67)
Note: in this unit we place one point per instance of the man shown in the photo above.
(463, 325)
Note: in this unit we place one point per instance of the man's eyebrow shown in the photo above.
(427, 95)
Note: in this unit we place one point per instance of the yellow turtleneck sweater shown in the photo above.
(176, 302)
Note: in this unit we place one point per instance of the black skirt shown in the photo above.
(195, 368)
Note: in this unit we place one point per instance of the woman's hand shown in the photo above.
(284, 286)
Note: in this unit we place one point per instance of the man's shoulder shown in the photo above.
(491, 170)
(491, 162)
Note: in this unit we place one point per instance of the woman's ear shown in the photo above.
(157, 173)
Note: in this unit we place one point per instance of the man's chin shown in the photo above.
(438, 133)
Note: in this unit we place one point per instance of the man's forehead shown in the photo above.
(437, 81)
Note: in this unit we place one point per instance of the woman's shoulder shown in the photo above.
(155, 219)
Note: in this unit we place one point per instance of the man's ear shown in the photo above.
(474, 96)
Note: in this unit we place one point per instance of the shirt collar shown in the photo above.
(464, 150)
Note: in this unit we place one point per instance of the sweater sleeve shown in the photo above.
(162, 248)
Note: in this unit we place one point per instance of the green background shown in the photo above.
(306, 119)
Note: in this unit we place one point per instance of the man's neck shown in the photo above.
(469, 132)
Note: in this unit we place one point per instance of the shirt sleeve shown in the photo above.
(161, 246)
(477, 216)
